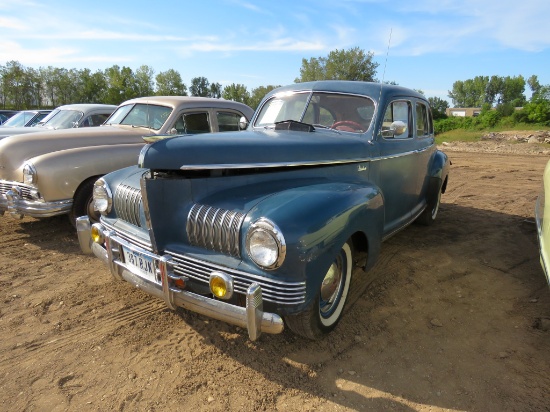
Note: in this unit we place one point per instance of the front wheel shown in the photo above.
(324, 313)
(83, 203)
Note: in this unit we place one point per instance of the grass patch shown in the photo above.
(471, 135)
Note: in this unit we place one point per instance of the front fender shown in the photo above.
(316, 221)
(60, 173)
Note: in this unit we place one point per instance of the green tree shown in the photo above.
(351, 64)
(169, 83)
(534, 84)
(258, 94)
(92, 86)
(439, 107)
(236, 92)
(145, 81)
(200, 86)
(121, 85)
(215, 90)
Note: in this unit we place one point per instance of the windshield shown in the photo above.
(140, 115)
(18, 119)
(63, 119)
(344, 112)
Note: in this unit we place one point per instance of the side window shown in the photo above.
(228, 122)
(94, 120)
(422, 124)
(397, 111)
(194, 123)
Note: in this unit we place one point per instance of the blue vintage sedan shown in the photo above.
(261, 228)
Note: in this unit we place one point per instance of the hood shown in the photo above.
(15, 150)
(254, 149)
(10, 131)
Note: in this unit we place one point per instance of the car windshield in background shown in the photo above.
(349, 113)
(140, 115)
(18, 120)
(63, 119)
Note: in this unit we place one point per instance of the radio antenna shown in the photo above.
(384, 73)
(385, 64)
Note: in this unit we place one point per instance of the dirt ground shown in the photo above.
(456, 318)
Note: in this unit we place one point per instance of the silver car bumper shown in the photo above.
(17, 206)
(252, 317)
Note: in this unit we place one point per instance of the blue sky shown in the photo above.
(433, 43)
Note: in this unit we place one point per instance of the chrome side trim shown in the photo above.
(218, 166)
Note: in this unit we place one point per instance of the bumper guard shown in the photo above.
(252, 317)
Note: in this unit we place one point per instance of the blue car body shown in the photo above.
(320, 184)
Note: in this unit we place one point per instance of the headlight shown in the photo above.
(103, 197)
(265, 244)
(29, 174)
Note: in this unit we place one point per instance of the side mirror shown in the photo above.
(173, 130)
(243, 123)
(398, 127)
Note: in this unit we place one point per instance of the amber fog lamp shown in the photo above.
(221, 285)
(97, 233)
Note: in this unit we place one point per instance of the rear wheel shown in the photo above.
(83, 204)
(430, 213)
(324, 313)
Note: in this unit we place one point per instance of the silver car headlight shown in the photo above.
(103, 197)
(29, 174)
(265, 244)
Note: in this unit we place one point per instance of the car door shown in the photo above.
(397, 164)
(424, 147)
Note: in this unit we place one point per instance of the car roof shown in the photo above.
(86, 106)
(355, 87)
(177, 101)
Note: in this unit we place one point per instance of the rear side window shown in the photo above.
(422, 120)
(195, 123)
(228, 122)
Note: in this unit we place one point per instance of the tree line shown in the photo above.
(25, 87)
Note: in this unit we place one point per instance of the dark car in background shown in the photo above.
(25, 118)
(264, 228)
(6, 114)
(66, 117)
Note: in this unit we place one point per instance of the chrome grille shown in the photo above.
(128, 237)
(215, 229)
(6, 186)
(127, 204)
(283, 293)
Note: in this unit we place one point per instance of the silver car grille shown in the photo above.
(127, 202)
(215, 229)
(6, 186)
(283, 293)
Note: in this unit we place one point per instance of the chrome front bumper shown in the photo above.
(252, 317)
(13, 202)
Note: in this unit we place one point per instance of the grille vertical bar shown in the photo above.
(127, 204)
(215, 229)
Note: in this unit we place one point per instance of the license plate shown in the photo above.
(140, 264)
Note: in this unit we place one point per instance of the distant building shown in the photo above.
(467, 111)
(463, 111)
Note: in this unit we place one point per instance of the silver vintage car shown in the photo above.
(66, 117)
(53, 172)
